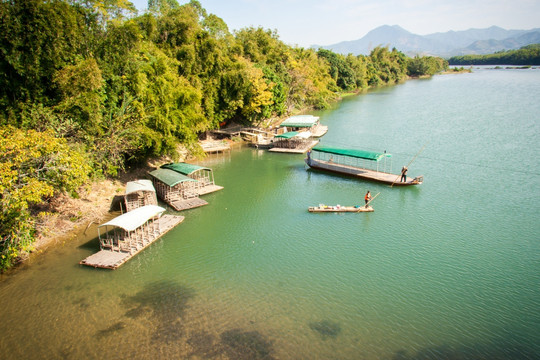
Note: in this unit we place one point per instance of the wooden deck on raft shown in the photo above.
(185, 204)
(209, 189)
(319, 131)
(297, 150)
(325, 208)
(109, 259)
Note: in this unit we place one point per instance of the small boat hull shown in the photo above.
(338, 208)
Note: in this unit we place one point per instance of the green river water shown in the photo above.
(446, 270)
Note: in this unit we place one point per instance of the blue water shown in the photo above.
(446, 270)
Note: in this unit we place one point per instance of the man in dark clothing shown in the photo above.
(404, 174)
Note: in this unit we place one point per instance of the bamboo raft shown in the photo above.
(114, 258)
(338, 208)
(208, 189)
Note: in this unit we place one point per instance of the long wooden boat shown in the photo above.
(363, 164)
(338, 208)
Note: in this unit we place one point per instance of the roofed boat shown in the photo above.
(294, 142)
(177, 190)
(305, 122)
(203, 176)
(130, 233)
(139, 193)
(367, 165)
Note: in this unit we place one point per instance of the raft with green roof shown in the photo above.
(203, 176)
(364, 164)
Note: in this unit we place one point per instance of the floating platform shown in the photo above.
(185, 204)
(338, 208)
(209, 189)
(110, 259)
(319, 131)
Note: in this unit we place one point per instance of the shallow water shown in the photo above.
(446, 270)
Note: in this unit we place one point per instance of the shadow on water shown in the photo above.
(326, 328)
(234, 344)
(246, 345)
(491, 351)
(166, 303)
(204, 346)
(111, 330)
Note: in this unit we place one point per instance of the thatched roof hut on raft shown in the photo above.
(139, 193)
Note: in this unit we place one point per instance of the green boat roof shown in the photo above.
(287, 135)
(170, 177)
(300, 121)
(183, 168)
(361, 154)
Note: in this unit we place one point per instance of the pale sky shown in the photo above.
(326, 22)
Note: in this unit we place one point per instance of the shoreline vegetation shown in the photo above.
(106, 90)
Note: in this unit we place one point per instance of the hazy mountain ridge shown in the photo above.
(447, 44)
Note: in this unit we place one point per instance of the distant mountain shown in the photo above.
(482, 47)
(451, 43)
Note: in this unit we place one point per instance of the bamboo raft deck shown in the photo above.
(185, 204)
(319, 131)
(326, 208)
(208, 189)
(110, 259)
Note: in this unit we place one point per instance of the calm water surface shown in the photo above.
(446, 270)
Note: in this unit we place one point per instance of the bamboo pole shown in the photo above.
(410, 162)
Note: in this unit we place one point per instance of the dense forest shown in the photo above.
(89, 86)
(527, 55)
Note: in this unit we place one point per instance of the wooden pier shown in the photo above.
(215, 146)
(113, 259)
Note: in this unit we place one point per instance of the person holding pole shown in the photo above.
(367, 198)
(404, 174)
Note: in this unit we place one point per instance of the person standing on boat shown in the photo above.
(367, 198)
(404, 174)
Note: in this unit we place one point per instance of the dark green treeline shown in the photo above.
(87, 86)
(527, 55)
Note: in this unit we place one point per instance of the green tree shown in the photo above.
(425, 65)
(33, 166)
(340, 69)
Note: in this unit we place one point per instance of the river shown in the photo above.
(449, 269)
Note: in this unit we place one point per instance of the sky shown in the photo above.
(326, 22)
